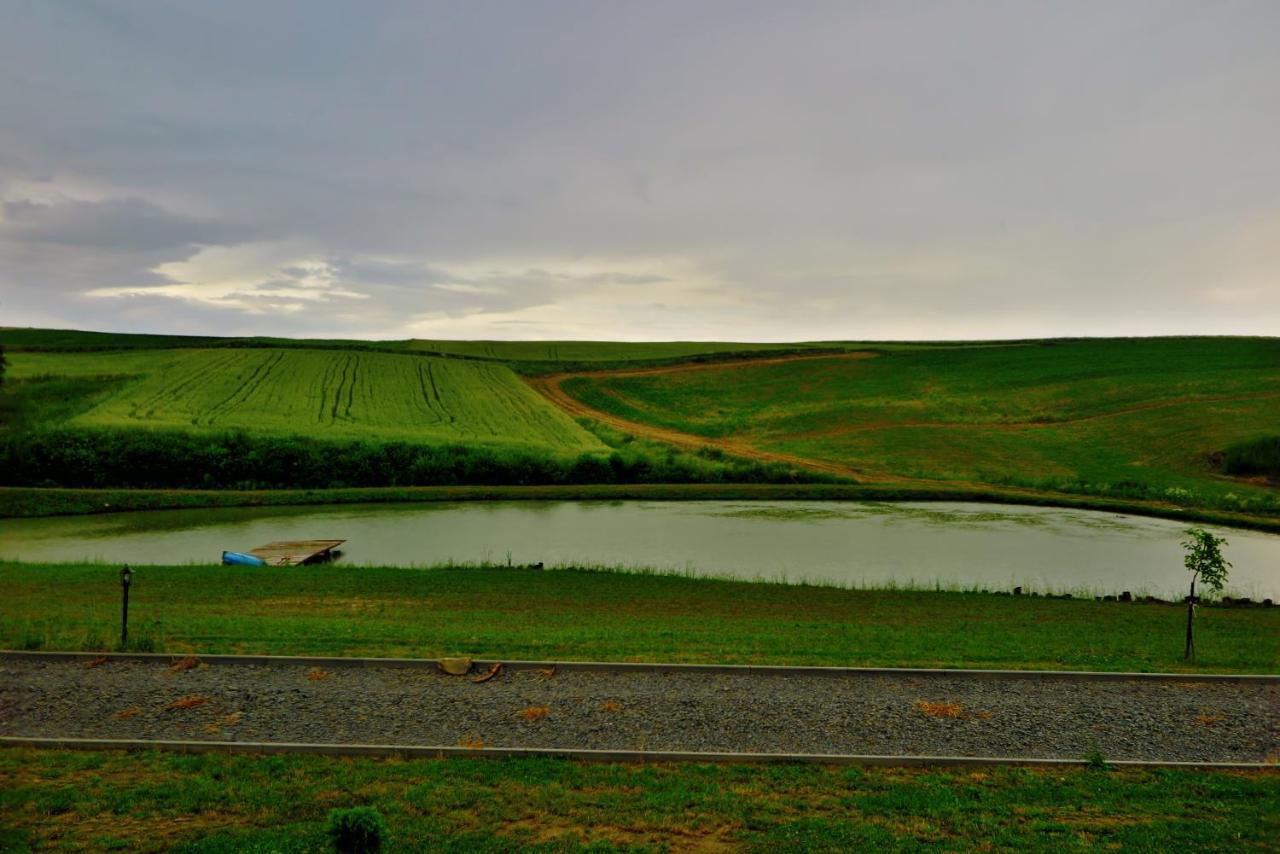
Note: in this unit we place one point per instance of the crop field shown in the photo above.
(1165, 422)
(1140, 417)
(74, 340)
(605, 352)
(328, 393)
(601, 351)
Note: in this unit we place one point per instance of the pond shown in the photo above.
(952, 545)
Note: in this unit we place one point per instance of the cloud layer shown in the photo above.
(724, 170)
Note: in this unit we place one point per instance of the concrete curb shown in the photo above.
(408, 751)
(655, 667)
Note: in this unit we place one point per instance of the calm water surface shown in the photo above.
(922, 544)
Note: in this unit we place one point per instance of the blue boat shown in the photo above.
(241, 559)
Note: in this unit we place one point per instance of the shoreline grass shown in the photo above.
(34, 502)
(151, 801)
(501, 613)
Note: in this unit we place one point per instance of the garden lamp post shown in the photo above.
(126, 579)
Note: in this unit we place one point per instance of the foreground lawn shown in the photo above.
(222, 803)
(578, 614)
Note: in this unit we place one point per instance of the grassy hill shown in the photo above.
(1144, 417)
(606, 351)
(1187, 422)
(263, 417)
(522, 353)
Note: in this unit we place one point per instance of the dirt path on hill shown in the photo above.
(549, 386)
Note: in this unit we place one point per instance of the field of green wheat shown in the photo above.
(322, 393)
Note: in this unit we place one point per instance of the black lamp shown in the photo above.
(126, 579)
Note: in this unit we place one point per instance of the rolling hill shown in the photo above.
(1145, 418)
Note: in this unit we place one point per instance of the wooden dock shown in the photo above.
(294, 552)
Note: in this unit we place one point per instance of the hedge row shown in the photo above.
(146, 459)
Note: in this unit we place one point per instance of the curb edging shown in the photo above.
(651, 667)
(412, 751)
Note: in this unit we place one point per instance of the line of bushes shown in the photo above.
(147, 459)
(1259, 456)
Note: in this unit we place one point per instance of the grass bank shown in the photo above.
(17, 502)
(218, 803)
(584, 615)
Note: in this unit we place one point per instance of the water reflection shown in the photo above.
(955, 545)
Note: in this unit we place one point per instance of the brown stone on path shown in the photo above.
(455, 666)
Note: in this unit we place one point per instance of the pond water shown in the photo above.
(954, 545)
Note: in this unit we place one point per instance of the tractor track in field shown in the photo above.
(551, 387)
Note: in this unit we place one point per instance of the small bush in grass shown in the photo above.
(1260, 456)
(357, 830)
(1095, 761)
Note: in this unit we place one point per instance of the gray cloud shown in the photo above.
(759, 169)
(119, 225)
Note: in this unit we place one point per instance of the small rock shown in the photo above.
(455, 666)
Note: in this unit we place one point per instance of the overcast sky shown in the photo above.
(641, 170)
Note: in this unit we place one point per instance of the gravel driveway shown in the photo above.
(686, 711)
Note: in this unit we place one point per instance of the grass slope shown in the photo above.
(220, 803)
(1140, 417)
(601, 351)
(319, 393)
(584, 615)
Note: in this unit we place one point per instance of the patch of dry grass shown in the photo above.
(534, 713)
(190, 702)
(187, 662)
(941, 709)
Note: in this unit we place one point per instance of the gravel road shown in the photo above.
(858, 714)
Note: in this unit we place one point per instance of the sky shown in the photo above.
(645, 170)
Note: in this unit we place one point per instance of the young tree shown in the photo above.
(1205, 561)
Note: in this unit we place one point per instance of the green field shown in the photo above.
(66, 340)
(576, 615)
(1140, 418)
(219, 803)
(325, 393)
(1162, 423)
(605, 351)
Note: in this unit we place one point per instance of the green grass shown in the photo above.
(233, 803)
(1142, 422)
(318, 393)
(1136, 418)
(603, 351)
(576, 615)
(20, 339)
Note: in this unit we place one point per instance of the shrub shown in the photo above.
(1259, 456)
(162, 459)
(357, 830)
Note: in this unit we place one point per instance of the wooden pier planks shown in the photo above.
(294, 552)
